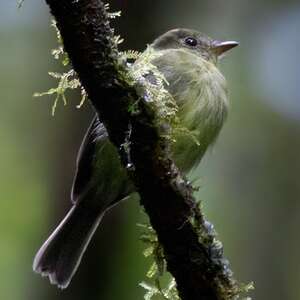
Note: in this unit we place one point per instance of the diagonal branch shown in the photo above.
(193, 255)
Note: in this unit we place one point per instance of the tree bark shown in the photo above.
(193, 255)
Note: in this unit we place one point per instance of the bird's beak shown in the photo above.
(219, 48)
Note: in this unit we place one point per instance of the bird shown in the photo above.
(188, 60)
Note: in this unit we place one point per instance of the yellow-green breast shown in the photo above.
(200, 91)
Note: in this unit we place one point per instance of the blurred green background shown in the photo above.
(249, 182)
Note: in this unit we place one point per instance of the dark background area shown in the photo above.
(249, 181)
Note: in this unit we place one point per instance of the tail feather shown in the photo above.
(60, 256)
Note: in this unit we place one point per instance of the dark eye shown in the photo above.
(191, 42)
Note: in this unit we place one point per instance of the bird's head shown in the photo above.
(193, 41)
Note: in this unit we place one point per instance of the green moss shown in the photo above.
(157, 273)
(228, 287)
(67, 80)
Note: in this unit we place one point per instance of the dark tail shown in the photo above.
(60, 256)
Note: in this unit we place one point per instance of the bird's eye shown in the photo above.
(191, 42)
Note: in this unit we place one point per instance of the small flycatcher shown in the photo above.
(188, 60)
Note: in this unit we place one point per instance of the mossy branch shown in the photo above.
(191, 251)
